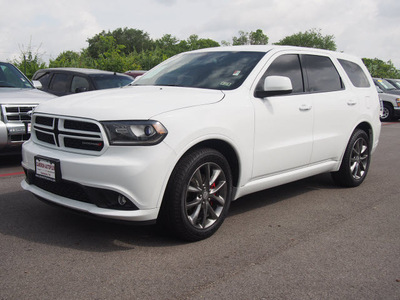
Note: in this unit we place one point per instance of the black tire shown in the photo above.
(356, 160)
(194, 207)
(388, 113)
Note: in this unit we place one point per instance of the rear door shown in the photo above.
(335, 107)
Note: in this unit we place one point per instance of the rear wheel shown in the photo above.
(356, 160)
(198, 195)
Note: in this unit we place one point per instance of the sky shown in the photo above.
(365, 28)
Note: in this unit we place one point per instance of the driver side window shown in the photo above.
(286, 65)
(79, 82)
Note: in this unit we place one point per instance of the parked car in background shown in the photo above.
(18, 98)
(390, 105)
(135, 73)
(394, 82)
(65, 81)
(386, 86)
(202, 129)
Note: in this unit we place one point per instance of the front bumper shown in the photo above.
(138, 174)
(12, 135)
(396, 111)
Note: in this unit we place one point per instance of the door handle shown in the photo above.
(351, 102)
(305, 107)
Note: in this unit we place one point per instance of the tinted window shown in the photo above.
(44, 78)
(224, 70)
(355, 73)
(12, 78)
(110, 81)
(79, 82)
(322, 74)
(60, 82)
(286, 65)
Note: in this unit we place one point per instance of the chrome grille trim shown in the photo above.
(17, 112)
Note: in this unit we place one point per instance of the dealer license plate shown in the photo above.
(47, 168)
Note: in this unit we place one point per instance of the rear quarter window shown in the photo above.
(355, 73)
(321, 74)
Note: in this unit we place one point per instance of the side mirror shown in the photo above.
(37, 84)
(80, 89)
(275, 85)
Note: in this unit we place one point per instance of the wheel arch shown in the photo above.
(388, 103)
(226, 150)
(367, 128)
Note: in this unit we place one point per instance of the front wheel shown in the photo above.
(198, 195)
(387, 114)
(356, 160)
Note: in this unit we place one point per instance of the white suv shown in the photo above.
(202, 129)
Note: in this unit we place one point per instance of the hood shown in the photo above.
(22, 96)
(388, 97)
(129, 103)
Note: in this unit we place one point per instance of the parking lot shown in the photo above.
(304, 240)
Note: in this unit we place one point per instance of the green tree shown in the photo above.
(258, 38)
(131, 39)
(67, 59)
(30, 60)
(112, 59)
(245, 38)
(168, 44)
(381, 69)
(242, 39)
(311, 38)
(194, 43)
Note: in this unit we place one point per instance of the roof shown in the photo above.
(81, 71)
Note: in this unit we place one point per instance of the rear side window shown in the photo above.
(60, 82)
(79, 82)
(322, 74)
(286, 65)
(355, 73)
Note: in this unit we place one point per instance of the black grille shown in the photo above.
(64, 188)
(12, 109)
(45, 137)
(20, 137)
(83, 126)
(100, 197)
(68, 133)
(17, 113)
(83, 144)
(44, 121)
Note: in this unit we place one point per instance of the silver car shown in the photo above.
(18, 98)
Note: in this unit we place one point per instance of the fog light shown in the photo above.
(121, 200)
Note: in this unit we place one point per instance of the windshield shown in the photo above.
(110, 81)
(383, 84)
(11, 77)
(396, 83)
(225, 70)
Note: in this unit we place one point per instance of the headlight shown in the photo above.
(134, 132)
